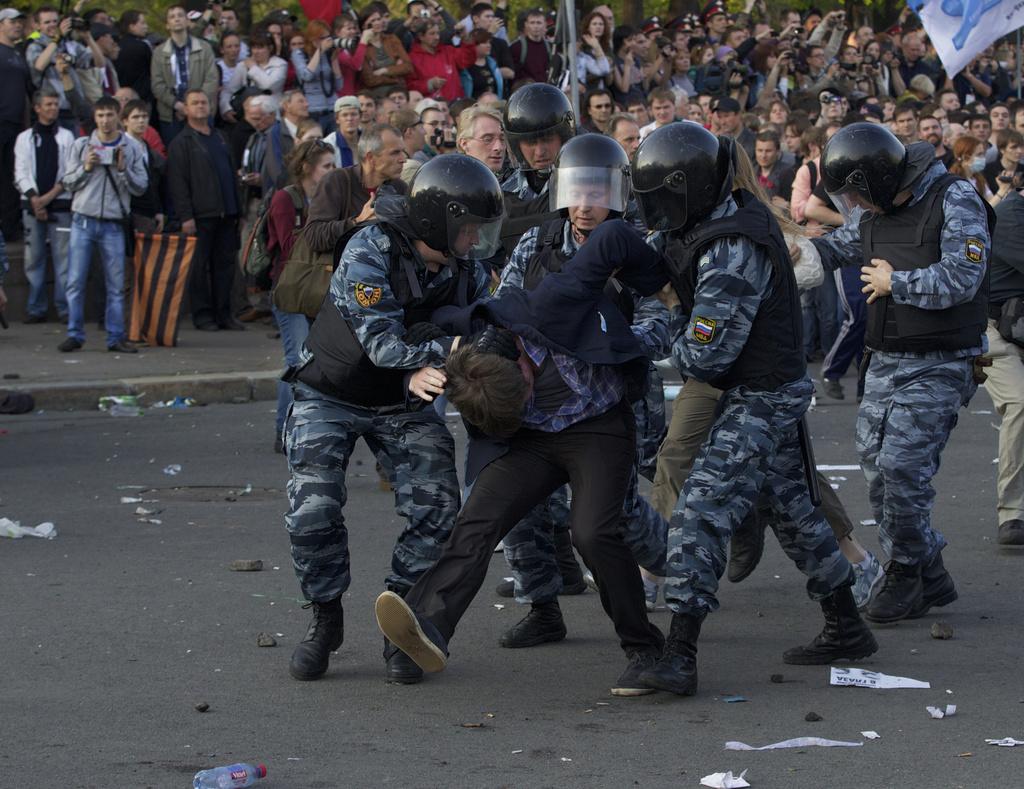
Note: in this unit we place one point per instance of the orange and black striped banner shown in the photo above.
(162, 263)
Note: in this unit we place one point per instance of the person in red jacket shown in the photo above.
(435, 66)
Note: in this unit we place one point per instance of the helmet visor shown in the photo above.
(577, 187)
(473, 237)
(856, 191)
(664, 207)
(852, 206)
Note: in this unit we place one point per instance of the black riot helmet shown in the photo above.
(680, 173)
(865, 164)
(533, 112)
(591, 169)
(456, 205)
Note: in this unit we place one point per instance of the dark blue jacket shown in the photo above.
(568, 312)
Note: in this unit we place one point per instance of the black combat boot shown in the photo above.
(937, 588)
(507, 588)
(746, 546)
(544, 623)
(399, 668)
(901, 593)
(325, 634)
(572, 575)
(676, 671)
(844, 637)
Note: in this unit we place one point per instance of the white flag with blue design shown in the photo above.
(961, 29)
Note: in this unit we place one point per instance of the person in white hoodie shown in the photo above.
(39, 157)
(102, 171)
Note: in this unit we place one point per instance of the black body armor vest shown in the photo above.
(340, 367)
(773, 354)
(910, 239)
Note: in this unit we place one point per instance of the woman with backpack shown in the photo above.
(307, 164)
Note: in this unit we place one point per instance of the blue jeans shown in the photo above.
(294, 328)
(108, 237)
(57, 232)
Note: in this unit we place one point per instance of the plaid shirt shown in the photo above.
(594, 389)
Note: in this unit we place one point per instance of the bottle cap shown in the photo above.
(263, 770)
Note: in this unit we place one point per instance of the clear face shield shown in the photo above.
(854, 198)
(593, 187)
(472, 237)
(664, 207)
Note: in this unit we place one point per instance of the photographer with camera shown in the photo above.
(319, 73)
(63, 46)
(102, 172)
(438, 131)
(1006, 173)
(350, 49)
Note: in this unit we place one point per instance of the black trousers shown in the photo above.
(213, 270)
(596, 458)
(10, 201)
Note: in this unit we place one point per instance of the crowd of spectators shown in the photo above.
(189, 123)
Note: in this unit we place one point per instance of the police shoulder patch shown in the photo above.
(704, 329)
(367, 295)
(974, 249)
(705, 260)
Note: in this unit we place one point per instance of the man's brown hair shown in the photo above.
(488, 390)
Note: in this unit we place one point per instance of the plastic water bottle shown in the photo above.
(231, 776)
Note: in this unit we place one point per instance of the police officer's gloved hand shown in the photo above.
(497, 340)
(419, 333)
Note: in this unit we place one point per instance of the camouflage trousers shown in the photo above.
(909, 409)
(320, 435)
(752, 451)
(530, 546)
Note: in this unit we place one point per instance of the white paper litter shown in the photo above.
(499, 606)
(870, 735)
(858, 677)
(724, 780)
(172, 469)
(16, 531)
(869, 522)
(1006, 742)
(939, 712)
(131, 499)
(838, 468)
(798, 742)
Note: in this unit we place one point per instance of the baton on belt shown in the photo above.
(807, 455)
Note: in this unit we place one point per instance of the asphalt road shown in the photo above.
(114, 631)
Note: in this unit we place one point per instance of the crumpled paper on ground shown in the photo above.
(1006, 742)
(16, 531)
(724, 780)
(939, 712)
(860, 678)
(797, 742)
